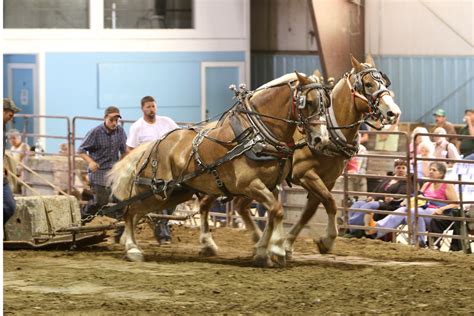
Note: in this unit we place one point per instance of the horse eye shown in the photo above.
(368, 85)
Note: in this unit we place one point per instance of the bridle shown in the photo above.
(358, 91)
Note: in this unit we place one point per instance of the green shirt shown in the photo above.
(467, 145)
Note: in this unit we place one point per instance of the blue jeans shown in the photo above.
(393, 221)
(357, 218)
(162, 229)
(9, 203)
(261, 210)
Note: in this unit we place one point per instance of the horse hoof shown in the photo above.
(263, 262)
(135, 255)
(289, 254)
(280, 261)
(321, 247)
(207, 252)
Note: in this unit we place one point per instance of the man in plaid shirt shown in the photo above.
(103, 146)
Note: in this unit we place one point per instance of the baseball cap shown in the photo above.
(8, 104)
(440, 112)
(112, 110)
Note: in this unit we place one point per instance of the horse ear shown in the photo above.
(317, 73)
(302, 79)
(369, 60)
(356, 64)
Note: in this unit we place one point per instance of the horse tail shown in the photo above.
(120, 177)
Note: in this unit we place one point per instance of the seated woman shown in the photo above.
(414, 145)
(392, 186)
(18, 148)
(434, 190)
(443, 148)
(426, 150)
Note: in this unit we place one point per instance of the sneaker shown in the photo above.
(372, 223)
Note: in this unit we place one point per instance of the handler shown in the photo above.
(149, 128)
(9, 204)
(102, 147)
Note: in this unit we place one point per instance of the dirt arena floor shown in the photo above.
(361, 276)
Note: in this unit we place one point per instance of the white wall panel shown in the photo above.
(219, 25)
(420, 27)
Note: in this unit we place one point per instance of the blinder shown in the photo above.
(372, 99)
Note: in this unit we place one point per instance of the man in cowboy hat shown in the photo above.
(9, 204)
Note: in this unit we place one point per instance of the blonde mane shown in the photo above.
(282, 79)
(120, 178)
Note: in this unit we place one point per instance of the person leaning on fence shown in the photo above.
(435, 190)
(391, 186)
(102, 147)
(152, 127)
(9, 204)
(443, 148)
(466, 147)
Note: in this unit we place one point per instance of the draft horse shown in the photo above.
(246, 154)
(361, 94)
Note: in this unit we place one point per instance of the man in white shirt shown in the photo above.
(149, 128)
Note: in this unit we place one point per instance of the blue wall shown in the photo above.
(84, 84)
(423, 84)
(266, 67)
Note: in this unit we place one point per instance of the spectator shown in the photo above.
(102, 147)
(149, 128)
(391, 186)
(440, 121)
(435, 190)
(358, 165)
(466, 147)
(19, 152)
(443, 148)
(425, 150)
(18, 148)
(387, 142)
(363, 136)
(414, 143)
(9, 204)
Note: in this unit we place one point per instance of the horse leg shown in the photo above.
(208, 246)
(132, 252)
(315, 186)
(309, 210)
(273, 230)
(242, 205)
(318, 192)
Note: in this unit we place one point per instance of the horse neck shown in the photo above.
(344, 110)
(276, 102)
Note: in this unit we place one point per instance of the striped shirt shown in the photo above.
(105, 147)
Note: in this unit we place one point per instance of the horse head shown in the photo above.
(369, 87)
(311, 100)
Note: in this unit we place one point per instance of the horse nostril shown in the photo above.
(391, 114)
(317, 140)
